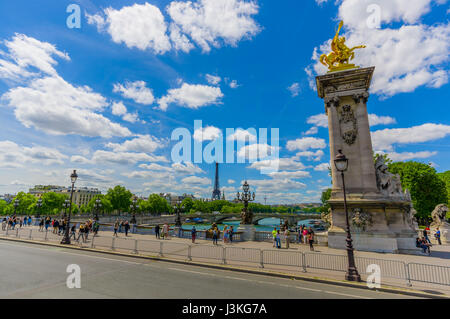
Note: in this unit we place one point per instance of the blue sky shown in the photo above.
(105, 98)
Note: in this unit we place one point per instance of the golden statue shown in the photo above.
(337, 59)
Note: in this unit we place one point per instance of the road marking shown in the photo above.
(347, 295)
(82, 255)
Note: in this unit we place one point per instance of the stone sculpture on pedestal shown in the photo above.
(439, 221)
(379, 211)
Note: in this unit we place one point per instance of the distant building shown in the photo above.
(81, 195)
(175, 199)
(7, 197)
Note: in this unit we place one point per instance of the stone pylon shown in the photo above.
(377, 207)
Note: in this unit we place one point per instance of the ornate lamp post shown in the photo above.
(66, 238)
(16, 204)
(38, 207)
(66, 205)
(245, 197)
(134, 206)
(341, 163)
(97, 207)
(178, 210)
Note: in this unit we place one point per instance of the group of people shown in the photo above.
(425, 242)
(122, 224)
(12, 221)
(305, 235)
(164, 233)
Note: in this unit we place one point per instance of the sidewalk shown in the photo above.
(246, 255)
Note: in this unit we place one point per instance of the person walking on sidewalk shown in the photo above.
(215, 236)
(166, 230)
(425, 235)
(311, 239)
(127, 228)
(438, 236)
(116, 227)
(274, 235)
(157, 228)
(286, 236)
(72, 231)
(230, 234)
(278, 239)
(305, 235)
(193, 234)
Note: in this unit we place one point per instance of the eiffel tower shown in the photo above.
(216, 191)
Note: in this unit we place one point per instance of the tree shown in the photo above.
(326, 194)
(106, 204)
(426, 188)
(188, 203)
(3, 205)
(120, 198)
(27, 203)
(52, 203)
(157, 204)
(445, 177)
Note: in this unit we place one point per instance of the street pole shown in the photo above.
(66, 239)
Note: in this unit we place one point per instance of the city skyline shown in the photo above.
(105, 102)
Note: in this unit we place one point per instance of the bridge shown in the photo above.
(208, 218)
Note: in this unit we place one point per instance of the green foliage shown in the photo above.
(52, 203)
(27, 204)
(120, 198)
(426, 188)
(445, 177)
(3, 205)
(387, 160)
(326, 194)
(107, 207)
(155, 205)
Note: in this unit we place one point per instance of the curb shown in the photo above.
(386, 288)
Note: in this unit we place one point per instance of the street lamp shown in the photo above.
(38, 207)
(73, 179)
(16, 204)
(341, 163)
(134, 206)
(97, 206)
(177, 210)
(66, 205)
(246, 197)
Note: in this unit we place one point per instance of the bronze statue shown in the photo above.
(340, 54)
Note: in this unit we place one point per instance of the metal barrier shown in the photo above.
(432, 274)
(410, 272)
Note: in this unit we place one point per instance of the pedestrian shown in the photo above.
(274, 235)
(286, 236)
(127, 227)
(311, 239)
(166, 230)
(30, 221)
(72, 231)
(278, 239)
(87, 228)
(4, 223)
(120, 226)
(96, 227)
(193, 234)
(299, 235)
(438, 236)
(215, 236)
(157, 231)
(425, 235)
(230, 234)
(47, 223)
(225, 235)
(116, 227)
(80, 232)
(305, 235)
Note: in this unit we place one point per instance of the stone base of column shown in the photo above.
(248, 232)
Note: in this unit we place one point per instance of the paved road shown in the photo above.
(34, 271)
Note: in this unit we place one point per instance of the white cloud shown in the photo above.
(322, 167)
(56, 107)
(320, 120)
(118, 108)
(191, 96)
(142, 143)
(207, 22)
(79, 159)
(290, 175)
(405, 156)
(294, 89)
(213, 79)
(313, 130)
(234, 84)
(24, 52)
(271, 185)
(124, 158)
(131, 117)
(139, 26)
(316, 156)
(380, 120)
(195, 180)
(136, 91)
(383, 140)
(14, 155)
(256, 151)
(231, 181)
(242, 135)
(209, 133)
(179, 40)
(187, 168)
(305, 143)
(285, 163)
(407, 57)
